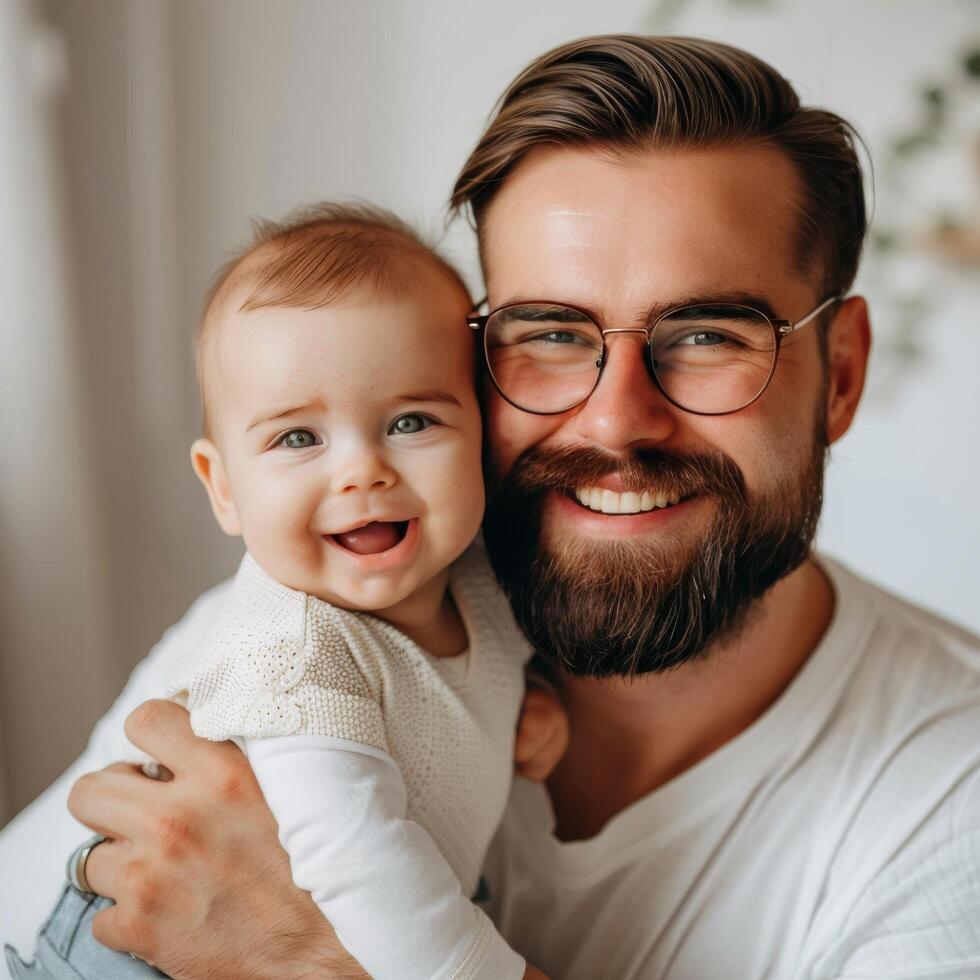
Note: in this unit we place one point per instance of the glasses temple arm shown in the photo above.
(813, 314)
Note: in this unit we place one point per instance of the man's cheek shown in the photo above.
(772, 447)
(509, 433)
(755, 440)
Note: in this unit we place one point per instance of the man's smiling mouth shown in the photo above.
(630, 502)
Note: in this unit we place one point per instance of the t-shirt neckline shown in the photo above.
(783, 730)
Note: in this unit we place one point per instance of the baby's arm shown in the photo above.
(379, 879)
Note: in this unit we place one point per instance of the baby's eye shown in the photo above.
(298, 439)
(405, 425)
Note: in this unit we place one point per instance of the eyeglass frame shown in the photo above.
(781, 328)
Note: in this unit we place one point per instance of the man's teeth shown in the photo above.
(610, 502)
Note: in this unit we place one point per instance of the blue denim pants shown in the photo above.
(67, 950)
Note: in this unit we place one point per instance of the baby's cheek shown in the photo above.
(278, 514)
(469, 497)
(264, 508)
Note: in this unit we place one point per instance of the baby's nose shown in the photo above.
(362, 471)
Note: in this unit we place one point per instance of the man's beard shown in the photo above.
(632, 606)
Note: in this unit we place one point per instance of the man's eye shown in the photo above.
(556, 337)
(298, 439)
(704, 338)
(405, 425)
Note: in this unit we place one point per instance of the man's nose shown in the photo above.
(359, 469)
(627, 409)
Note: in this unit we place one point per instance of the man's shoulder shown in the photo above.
(908, 719)
(902, 794)
(907, 649)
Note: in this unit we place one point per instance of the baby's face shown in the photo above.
(350, 437)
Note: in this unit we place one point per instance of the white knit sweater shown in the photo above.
(311, 681)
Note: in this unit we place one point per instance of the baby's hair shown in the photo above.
(316, 256)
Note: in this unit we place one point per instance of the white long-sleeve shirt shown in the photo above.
(386, 768)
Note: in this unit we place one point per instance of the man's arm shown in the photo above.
(33, 848)
(202, 886)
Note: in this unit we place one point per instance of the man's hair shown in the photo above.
(318, 255)
(629, 93)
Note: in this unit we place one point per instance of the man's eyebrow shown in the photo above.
(726, 298)
(272, 414)
(429, 395)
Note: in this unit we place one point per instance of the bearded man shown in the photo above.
(773, 769)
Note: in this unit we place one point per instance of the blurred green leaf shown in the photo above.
(662, 14)
(885, 241)
(971, 63)
(947, 221)
(912, 142)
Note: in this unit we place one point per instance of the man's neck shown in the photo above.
(630, 737)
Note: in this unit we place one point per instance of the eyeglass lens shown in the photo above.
(710, 359)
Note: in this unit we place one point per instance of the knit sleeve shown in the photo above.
(269, 667)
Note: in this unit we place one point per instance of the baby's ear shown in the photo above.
(210, 470)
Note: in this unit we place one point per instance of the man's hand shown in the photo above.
(542, 732)
(202, 886)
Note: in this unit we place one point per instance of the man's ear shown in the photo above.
(210, 470)
(848, 347)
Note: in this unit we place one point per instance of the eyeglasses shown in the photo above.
(708, 359)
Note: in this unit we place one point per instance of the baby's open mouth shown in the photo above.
(373, 538)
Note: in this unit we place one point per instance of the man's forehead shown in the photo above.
(565, 172)
(719, 208)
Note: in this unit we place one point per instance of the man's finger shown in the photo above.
(114, 801)
(536, 725)
(539, 699)
(162, 729)
(127, 767)
(103, 866)
(119, 928)
(529, 742)
(537, 766)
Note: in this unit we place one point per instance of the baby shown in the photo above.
(365, 661)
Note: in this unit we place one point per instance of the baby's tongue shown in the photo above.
(372, 538)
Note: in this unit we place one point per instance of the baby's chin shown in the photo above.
(368, 593)
(374, 599)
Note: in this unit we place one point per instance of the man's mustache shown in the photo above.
(538, 470)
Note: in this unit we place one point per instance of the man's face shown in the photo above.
(621, 236)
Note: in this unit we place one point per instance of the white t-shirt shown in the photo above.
(837, 837)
